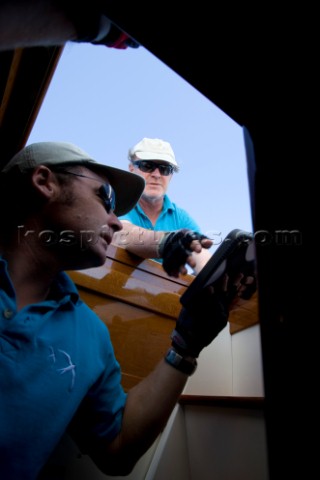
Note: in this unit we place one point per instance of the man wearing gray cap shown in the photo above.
(177, 240)
(58, 371)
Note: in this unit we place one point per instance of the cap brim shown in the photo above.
(128, 187)
(155, 156)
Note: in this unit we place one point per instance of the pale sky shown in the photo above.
(106, 100)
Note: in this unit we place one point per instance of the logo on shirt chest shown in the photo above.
(64, 364)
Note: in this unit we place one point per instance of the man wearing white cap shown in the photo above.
(178, 240)
(58, 370)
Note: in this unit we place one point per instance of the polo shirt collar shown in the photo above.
(167, 206)
(63, 286)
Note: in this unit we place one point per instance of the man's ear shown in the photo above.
(44, 181)
(131, 167)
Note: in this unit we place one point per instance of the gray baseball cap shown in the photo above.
(127, 186)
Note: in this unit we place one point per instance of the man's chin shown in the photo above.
(88, 259)
(153, 196)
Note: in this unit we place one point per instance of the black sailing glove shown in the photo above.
(175, 248)
(198, 325)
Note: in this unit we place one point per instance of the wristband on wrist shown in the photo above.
(179, 362)
(162, 243)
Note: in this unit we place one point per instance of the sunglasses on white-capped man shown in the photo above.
(147, 166)
(105, 192)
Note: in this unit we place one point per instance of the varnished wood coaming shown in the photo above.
(140, 303)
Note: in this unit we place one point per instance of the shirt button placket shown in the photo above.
(7, 313)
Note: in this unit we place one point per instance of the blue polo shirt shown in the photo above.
(56, 364)
(171, 218)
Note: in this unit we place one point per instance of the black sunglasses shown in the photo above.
(105, 192)
(149, 167)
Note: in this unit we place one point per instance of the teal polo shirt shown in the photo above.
(171, 218)
(57, 364)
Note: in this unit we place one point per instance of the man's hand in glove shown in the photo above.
(203, 320)
(176, 250)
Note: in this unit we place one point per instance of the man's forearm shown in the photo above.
(138, 240)
(145, 243)
(27, 24)
(148, 408)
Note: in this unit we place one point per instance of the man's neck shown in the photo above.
(31, 278)
(152, 207)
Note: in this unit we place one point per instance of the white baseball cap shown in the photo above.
(153, 149)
